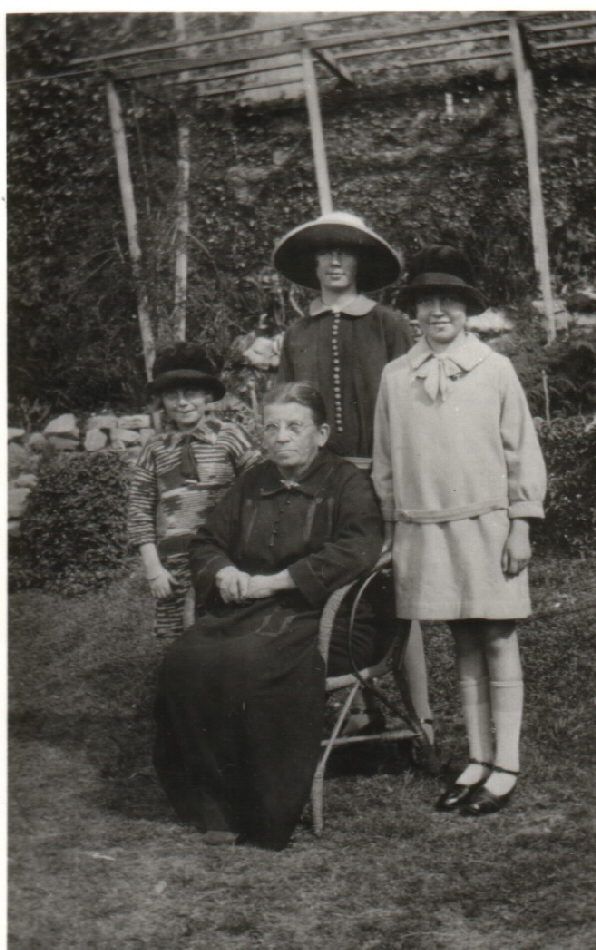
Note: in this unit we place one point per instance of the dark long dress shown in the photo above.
(343, 355)
(241, 695)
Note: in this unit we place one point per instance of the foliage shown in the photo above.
(73, 531)
(395, 157)
(572, 376)
(569, 446)
(567, 368)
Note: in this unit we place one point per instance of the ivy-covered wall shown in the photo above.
(395, 157)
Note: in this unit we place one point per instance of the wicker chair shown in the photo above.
(391, 663)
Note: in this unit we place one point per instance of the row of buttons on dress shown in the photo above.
(337, 373)
(280, 511)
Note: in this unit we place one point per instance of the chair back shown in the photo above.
(331, 609)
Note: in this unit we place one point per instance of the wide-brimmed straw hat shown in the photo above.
(442, 267)
(294, 256)
(185, 364)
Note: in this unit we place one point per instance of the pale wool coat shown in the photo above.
(450, 472)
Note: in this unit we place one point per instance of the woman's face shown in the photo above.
(185, 406)
(292, 438)
(442, 317)
(336, 269)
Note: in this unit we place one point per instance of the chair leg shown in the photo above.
(401, 643)
(429, 756)
(317, 784)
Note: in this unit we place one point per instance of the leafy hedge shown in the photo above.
(569, 529)
(73, 532)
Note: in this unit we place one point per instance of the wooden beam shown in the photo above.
(403, 64)
(130, 217)
(406, 47)
(316, 128)
(236, 73)
(410, 63)
(182, 183)
(326, 57)
(566, 44)
(215, 37)
(333, 66)
(527, 110)
(240, 90)
(161, 67)
(319, 42)
(564, 25)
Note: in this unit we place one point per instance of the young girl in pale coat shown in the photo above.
(459, 471)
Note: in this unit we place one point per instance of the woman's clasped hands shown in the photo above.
(235, 585)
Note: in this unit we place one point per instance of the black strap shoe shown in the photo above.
(457, 794)
(484, 802)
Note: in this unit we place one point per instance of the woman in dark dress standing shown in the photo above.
(342, 348)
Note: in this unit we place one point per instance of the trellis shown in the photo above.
(513, 37)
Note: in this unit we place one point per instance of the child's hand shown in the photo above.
(517, 551)
(232, 584)
(163, 584)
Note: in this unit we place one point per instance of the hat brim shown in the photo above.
(475, 301)
(187, 377)
(294, 256)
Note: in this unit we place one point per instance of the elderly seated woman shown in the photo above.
(241, 694)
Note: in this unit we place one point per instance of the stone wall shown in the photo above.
(104, 432)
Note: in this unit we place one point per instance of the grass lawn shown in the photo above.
(98, 862)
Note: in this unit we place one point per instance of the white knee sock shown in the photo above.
(476, 711)
(506, 703)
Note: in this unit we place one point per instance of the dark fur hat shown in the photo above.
(185, 364)
(442, 267)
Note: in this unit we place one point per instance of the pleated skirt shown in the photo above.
(452, 570)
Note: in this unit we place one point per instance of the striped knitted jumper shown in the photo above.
(169, 498)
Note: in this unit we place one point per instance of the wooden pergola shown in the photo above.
(246, 62)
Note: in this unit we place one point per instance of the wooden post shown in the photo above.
(130, 217)
(181, 241)
(527, 109)
(316, 128)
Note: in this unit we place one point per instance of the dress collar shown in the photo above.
(467, 352)
(309, 483)
(356, 306)
(205, 431)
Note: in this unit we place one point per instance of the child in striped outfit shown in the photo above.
(180, 474)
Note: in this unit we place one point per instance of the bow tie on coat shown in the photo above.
(438, 371)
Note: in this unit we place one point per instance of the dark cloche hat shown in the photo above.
(442, 267)
(185, 364)
(294, 255)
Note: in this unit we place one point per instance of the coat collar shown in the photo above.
(310, 483)
(356, 306)
(467, 352)
(205, 431)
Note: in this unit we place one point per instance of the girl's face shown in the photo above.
(442, 317)
(336, 269)
(185, 407)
